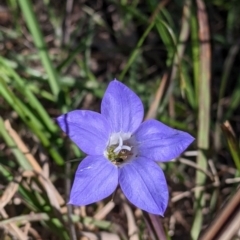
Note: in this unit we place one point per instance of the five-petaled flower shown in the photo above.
(122, 150)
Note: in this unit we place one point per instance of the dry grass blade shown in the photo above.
(26, 218)
(9, 192)
(226, 224)
(194, 165)
(35, 234)
(232, 180)
(104, 211)
(232, 143)
(152, 112)
(67, 21)
(54, 196)
(13, 229)
(214, 172)
(178, 196)
(132, 227)
(100, 235)
(17, 232)
(228, 64)
(226, 125)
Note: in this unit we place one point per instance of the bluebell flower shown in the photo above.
(122, 150)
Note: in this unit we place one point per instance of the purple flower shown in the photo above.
(122, 150)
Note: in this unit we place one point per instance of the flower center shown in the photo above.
(121, 148)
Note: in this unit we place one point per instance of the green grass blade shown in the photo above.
(233, 145)
(23, 88)
(33, 25)
(203, 115)
(195, 49)
(228, 64)
(22, 161)
(235, 100)
(136, 51)
(30, 120)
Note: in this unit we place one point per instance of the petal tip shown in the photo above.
(72, 202)
(160, 210)
(190, 139)
(122, 107)
(159, 213)
(144, 185)
(60, 121)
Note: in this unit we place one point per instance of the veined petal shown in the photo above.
(144, 184)
(89, 130)
(159, 142)
(96, 178)
(122, 108)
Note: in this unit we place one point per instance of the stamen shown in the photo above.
(120, 141)
(119, 147)
(126, 147)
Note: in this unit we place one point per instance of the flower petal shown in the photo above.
(96, 178)
(122, 108)
(89, 130)
(144, 184)
(159, 142)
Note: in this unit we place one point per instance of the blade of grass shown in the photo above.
(72, 54)
(34, 200)
(38, 203)
(232, 144)
(136, 51)
(175, 61)
(33, 25)
(188, 87)
(154, 21)
(152, 112)
(203, 115)
(55, 198)
(185, 83)
(225, 218)
(133, 11)
(55, 19)
(228, 64)
(30, 119)
(22, 161)
(15, 13)
(164, 25)
(24, 90)
(234, 102)
(168, 37)
(195, 48)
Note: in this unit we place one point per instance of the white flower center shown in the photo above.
(121, 148)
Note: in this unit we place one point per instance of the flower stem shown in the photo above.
(157, 225)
